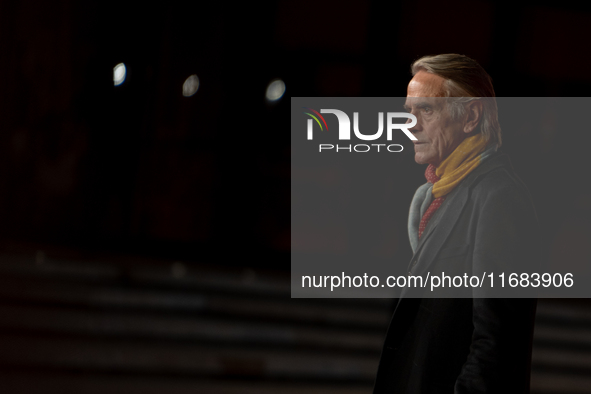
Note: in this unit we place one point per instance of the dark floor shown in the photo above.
(127, 325)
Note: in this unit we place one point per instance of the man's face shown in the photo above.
(437, 134)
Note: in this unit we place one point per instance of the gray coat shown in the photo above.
(480, 344)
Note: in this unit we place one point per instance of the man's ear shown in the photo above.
(473, 115)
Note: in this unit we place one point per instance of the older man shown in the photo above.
(473, 214)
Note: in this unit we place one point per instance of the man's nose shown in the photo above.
(416, 128)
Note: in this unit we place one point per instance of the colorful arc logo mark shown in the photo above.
(316, 119)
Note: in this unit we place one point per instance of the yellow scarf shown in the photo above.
(466, 157)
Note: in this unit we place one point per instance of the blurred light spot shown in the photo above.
(119, 73)
(275, 90)
(190, 86)
(178, 270)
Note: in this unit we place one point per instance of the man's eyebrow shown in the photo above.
(419, 105)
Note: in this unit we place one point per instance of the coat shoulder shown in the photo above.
(500, 181)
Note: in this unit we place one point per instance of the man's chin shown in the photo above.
(419, 159)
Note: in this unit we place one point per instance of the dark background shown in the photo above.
(140, 168)
(153, 183)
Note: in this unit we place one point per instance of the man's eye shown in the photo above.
(427, 110)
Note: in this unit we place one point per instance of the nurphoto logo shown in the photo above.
(344, 132)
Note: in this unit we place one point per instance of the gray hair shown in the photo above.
(465, 81)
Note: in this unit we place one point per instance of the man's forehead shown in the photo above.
(424, 84)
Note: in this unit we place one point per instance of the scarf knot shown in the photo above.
(463, 160)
